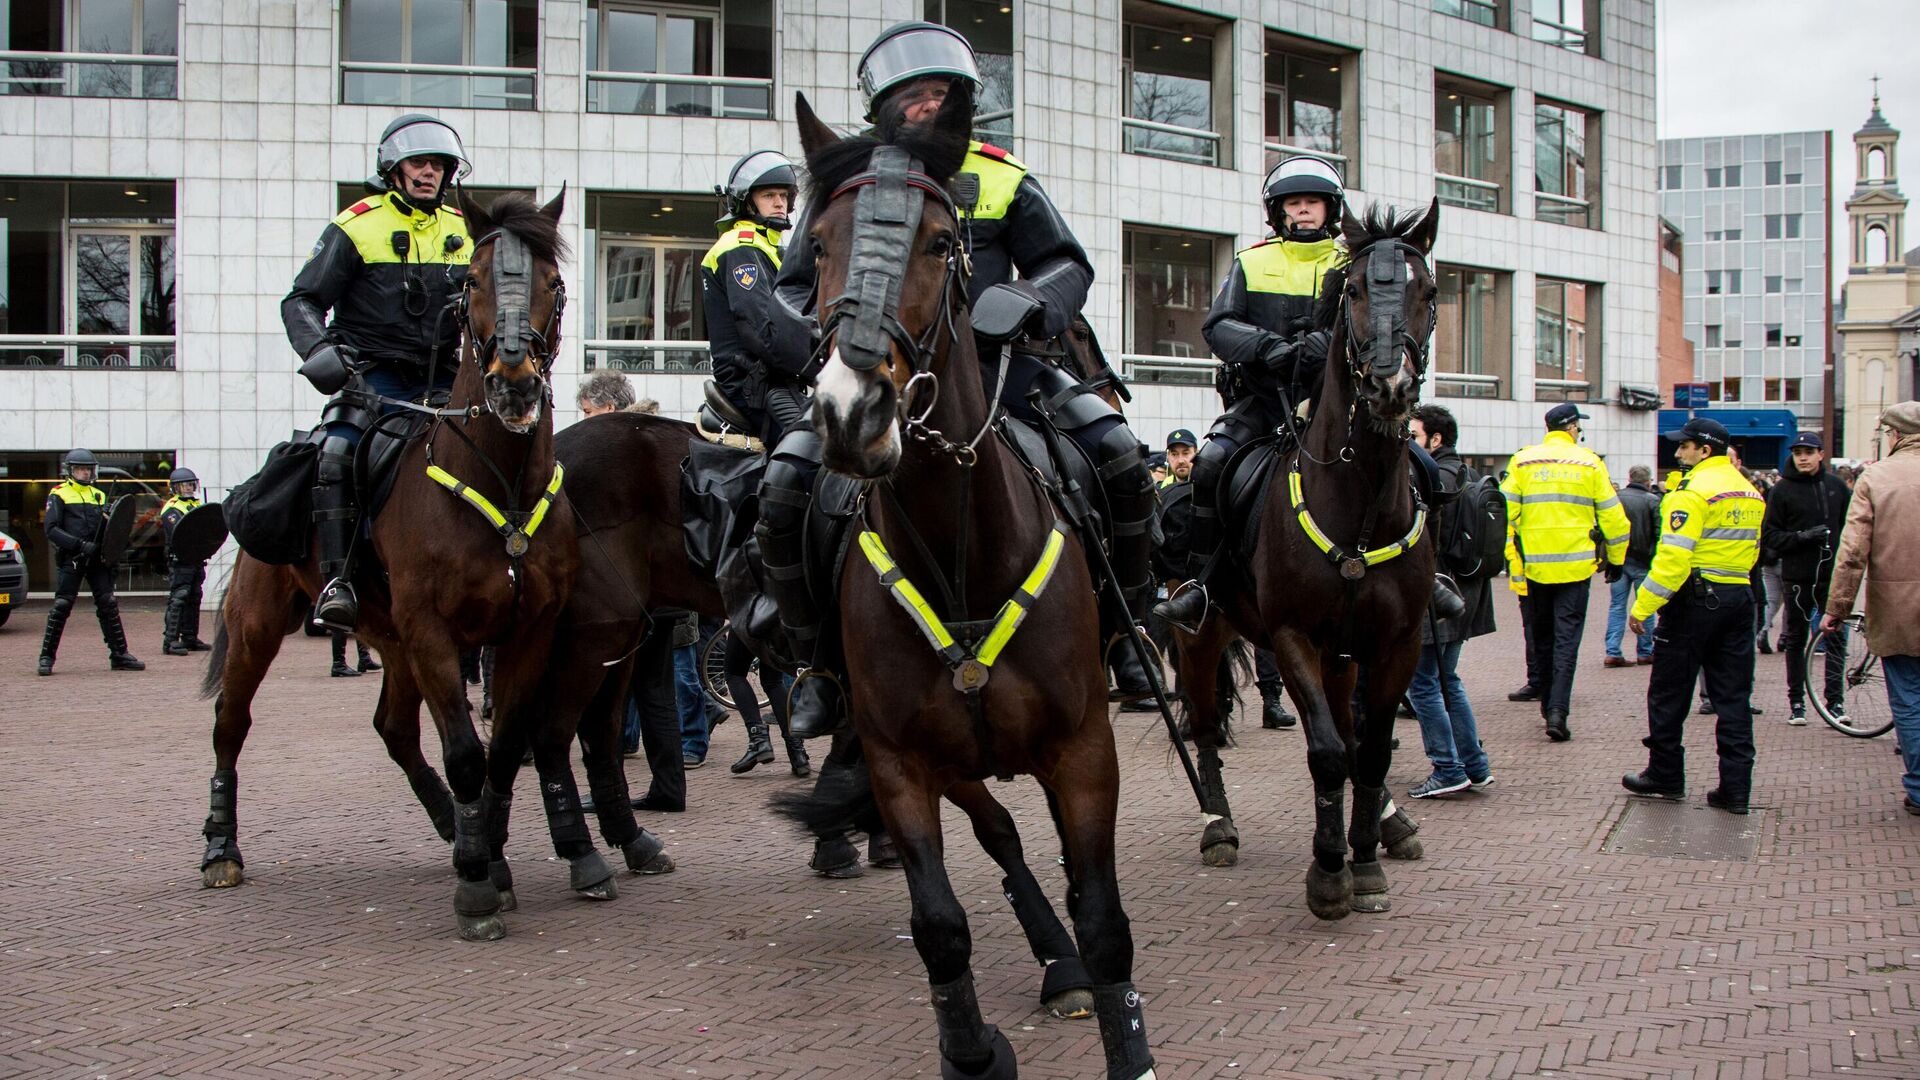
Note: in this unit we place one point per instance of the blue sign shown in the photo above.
(1690, 395)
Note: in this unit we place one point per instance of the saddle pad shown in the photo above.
(1244, 495)
(719, 502)
(376, 457)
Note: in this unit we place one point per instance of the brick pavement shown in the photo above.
(1516, 948)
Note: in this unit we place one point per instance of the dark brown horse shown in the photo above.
(953, 529)
(1353, 598)
(453, 578)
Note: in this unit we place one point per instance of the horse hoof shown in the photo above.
(1329, 895)
(508, 901)
(482, 928)
(645, 854)
(1408, 849)
(1000, 1065)
(1370, 888)
(1067, 990)
(223, 874)
(1398, 834)
(592, 878)
(1220, 843)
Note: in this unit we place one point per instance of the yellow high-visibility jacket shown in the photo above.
(1710, 525)
(1556, 493)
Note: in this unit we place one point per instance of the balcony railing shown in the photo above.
(1484, 12)
(75, 74)
(1168, 370)
(1467, 192)
(1562, 390)
(649, 357)
(1563, 209)
(654, 93)
(998, 124)
(1154, 139)
(152, 352)
(1571, 38)
(1465, 384)
(454, 86)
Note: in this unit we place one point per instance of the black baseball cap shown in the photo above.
(1807, 438)
(1701, 430)
(1181, 435)
(1563, 414)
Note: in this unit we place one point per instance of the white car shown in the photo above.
(13, 576)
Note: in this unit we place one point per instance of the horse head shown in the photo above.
(1388, 305)
(891, 280)
(511, 304)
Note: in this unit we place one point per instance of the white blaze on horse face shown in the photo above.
(839, 388)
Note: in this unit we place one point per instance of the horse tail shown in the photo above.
(217, 659)
(842, 799)
(1236, 666)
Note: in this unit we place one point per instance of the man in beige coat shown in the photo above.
(1882, 541)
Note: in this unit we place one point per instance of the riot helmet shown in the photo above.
(183, 477)
(909, 51)
(419, 135)
(1303, 175)
(80, 458)
(758, 169)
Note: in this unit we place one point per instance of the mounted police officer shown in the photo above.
(387, 268)
(76, 510)
(736, 287)
(184, 578)
(1699, 584)
(1023, 255)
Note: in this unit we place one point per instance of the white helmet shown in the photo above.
(1303, 175)
(913, 50)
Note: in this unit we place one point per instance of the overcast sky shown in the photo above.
(1741, 67)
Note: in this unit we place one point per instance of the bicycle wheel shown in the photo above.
(713, 674)
(1861, 710)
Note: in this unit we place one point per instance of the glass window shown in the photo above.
(86, 260)
(1713, 178)
(1169, 285)
(1713, 335)
(1169, 88)
(1771, 283)
(1466, 149)
(626, 43)
(392, 53)
(1560, 176)
(1732, 234)
(1773, 335)
(1793, 389)
(1562, 23)
(1472, 344)
(1566, 347)
(1772, 172)
(1672, 181)
(1484, 12)
(1302, 105)
(1732, 278)
(1731, 176)
(643, 290)
(122, 27)
(988, 26)
(1730, 388)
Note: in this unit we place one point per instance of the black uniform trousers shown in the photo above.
(184, 585)
(1805, 601)
(1556, 620)
(653, 693)
(1706, 629)
(106, 607)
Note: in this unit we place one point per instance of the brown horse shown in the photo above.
(952, 529)
(1353, 598)
(454, 578)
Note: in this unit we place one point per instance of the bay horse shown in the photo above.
(952, 528)
(456, 576)
(1341, 574)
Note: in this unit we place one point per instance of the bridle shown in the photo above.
(514, 339)
(864, 323)
(1386, 277)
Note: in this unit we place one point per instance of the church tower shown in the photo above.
(1881, 295)
(1876, 212)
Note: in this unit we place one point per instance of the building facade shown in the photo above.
(165, 171)
(1754, 212)
(1879, 320)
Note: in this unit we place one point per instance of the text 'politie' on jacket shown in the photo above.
(1711, 529)
(1557, 494)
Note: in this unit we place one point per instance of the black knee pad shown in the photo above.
(787, 487)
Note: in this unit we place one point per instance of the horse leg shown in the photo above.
(397, 718)
(252, 625)
(435, 662)
(909, 803)
(1201, 657)
(1317, 692)
(1087, 787)
(1380, 699)
(599, 730)
(1065, 987)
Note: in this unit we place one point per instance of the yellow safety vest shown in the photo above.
(1000, 174)
(744, 233)
(371, 223)
(1710, 526)
(180, 504)
(1556, 493)
(1289, 268)
(70, 493)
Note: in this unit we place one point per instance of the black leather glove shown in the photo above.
(87, 548)
(328, 368)
(1008, 310)
(1816, 535)
(1277, 353)
(1615, 572)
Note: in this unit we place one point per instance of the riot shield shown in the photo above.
(199, 534)
(116, 530)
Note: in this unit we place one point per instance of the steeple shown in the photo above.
(1876, 211)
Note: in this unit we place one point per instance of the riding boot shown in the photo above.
(335, 518)
(1187, 607)
(341, 670)
(118, 658)
(190, 624)
(367, 662)
(759, 749)
(56, 625)
(170, 643)
(797, 761)
(813, 707)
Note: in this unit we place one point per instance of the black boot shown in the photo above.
(334, 518)
(341, 670)
(174, 647)
(56, 625)
(813, 705)
(1187, 607)
(759, 749)
(1273, 712)
(190, 627)
(118, 658)
(797, 760)
(367, 662)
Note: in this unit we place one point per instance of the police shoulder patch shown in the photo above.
(746, 275)
(1676, 520)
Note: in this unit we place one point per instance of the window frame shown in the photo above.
(717, 83)
(1217, 137)
(1449, 87)
(1498, 10)
(1590, 165)
(466, 71)
(1583, 40)
(1495, 379)
(1564, 387)
(131, 348)
(1347, 141)
(1192, 364)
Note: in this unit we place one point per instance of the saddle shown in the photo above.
(374, 460)
(1089, 516)
(719, 422)
(1244, 488)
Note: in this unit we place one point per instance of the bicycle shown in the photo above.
(1863, 713)
(713, 673)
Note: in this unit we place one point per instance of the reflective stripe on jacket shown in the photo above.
(386, 305)
(1711, 524)
(1556, 493)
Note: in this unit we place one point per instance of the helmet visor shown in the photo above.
(912, 54)
(427, 138)
(762, 168)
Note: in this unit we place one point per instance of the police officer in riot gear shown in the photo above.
(76, 510)
(1021, 252)
(184, 579)
(736, 287)
(387, 268)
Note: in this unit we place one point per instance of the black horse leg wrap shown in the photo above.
(964, 1037)
(1329, 828)
(434, 796)
(1123, 1030)
(616, 828)
(1367, 801)
(222, 829)
(1212, 784)
(1045, 936)
(499, 812)
(470, 836)
(569, 828)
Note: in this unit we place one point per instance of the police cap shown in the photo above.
(1181, 437)
(1563, 414)
(1703, 431)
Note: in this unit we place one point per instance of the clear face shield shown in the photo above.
(425, 139)
(186, 489)
(913, 54)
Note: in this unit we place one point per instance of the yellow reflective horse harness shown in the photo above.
(516, 529)
(1352, 564)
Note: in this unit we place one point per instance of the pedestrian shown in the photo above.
(739, 661)
(1642, 508)
(1805, 512)
(604, 391)
(185, 577)
(1701, 582)
(1567, 523)
(75, 515)
(1879, 541)
(342, 670)
(651, 706)
(1447, 726)
(1173, 494)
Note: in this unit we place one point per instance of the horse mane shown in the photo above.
(940, 146)
(1381, 222)
(516, 212)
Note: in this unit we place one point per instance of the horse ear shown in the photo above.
(478, 223)
(953, 130)
(553, 207)
(814, 134)
(1427, 232)
(1351, 228)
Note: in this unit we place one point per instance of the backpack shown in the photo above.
(1473, 529)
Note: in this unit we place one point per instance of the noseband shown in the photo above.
(1378, 355)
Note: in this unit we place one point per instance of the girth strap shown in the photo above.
(518, 536)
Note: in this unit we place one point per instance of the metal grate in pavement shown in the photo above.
(1681, 830)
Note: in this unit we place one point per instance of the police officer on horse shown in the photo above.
(184, 578)
(736, 287)
(387, 268)
(1022, 254)
(76, 510)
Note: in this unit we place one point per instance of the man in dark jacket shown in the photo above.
(1643, 519)
(1805, 512)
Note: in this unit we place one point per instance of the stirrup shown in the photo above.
(1181, 590)
(338, 608)
(839, 718)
